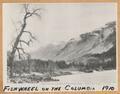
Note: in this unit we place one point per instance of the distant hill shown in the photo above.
(91, 45)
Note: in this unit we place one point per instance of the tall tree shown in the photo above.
(28, 13)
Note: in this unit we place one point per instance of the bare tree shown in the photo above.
(28, 13)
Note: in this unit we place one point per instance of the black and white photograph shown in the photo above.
(73, 44)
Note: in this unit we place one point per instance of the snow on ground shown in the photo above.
(102, 77)
(94, 78)
(97, 79)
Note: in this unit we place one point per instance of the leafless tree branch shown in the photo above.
(22, 41)
(19, 48)
(26, 7)
(34, 12)
(27, 43)
(19, 53)
(30, 34)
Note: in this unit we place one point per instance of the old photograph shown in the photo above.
(60, 43)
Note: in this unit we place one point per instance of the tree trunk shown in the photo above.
(11, 58)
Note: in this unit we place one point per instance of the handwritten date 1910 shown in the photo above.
(109, 88)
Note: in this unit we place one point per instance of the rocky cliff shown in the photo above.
(97, 42)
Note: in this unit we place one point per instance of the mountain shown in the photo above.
(48, 52)
(83, 49)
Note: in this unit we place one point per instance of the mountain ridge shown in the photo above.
(96, 42)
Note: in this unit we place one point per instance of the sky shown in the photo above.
(59, 22)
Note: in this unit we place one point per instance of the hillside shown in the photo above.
(96, 42)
